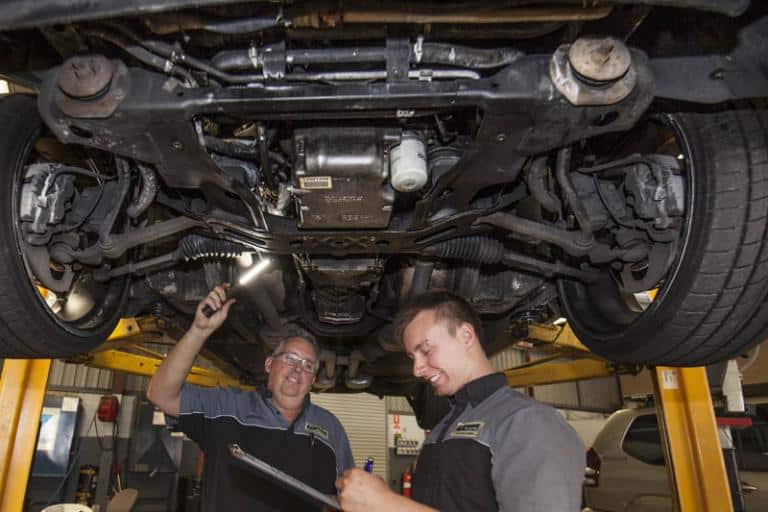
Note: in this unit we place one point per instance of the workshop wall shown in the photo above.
(364, 418)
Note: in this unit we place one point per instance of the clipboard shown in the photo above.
(292, 484)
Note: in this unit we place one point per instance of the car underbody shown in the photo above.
(533, 157)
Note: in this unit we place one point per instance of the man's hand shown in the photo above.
(364, 492)
(217, 301)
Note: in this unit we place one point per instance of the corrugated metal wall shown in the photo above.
(78, 377)
(398, 405)
(365, 419)
(507, 358)
(599, 395)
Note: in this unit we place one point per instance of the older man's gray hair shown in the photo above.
(295, 331)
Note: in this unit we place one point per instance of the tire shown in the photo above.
(28, 326)
(712, 303)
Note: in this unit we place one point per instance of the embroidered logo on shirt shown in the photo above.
(470, 429)
(317, 430)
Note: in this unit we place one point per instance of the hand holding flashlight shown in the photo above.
(244, 279)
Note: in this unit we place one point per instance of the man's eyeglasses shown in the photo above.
(293, 361)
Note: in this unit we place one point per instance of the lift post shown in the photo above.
(22, 390)
(695, 464)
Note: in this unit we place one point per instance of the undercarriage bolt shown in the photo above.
(86, 76)
(603, 59)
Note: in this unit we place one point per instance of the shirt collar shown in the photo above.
(478, 390)
(266, 395)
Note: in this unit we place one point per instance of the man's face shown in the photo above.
(289, 385)
(438, 356)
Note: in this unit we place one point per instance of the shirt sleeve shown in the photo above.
(344, 460)
(199, 404)
(538, 462)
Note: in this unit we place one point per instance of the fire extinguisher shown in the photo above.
(407, 482)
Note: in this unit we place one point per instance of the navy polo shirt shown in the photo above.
(314, 448)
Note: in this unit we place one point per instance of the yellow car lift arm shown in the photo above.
(123, 352)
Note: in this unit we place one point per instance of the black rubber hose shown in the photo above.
(123, 184)
(242, 26)
(465, 56)
(233, 60)
(175, 55)
(535, 179)
(229, 60)
(147, 194)
(562, 167)
(142, 54)
(193, 247)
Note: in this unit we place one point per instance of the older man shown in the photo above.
(496, 449)
(278, 424)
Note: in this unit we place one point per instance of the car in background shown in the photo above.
(626, 471)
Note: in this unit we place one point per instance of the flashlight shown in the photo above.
(241, 283)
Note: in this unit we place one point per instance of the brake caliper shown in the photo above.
(46, 196)
(657, 188)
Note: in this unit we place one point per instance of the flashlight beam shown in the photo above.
(253, 271)
(248, 276)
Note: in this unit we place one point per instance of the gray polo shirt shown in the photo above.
(500, 450)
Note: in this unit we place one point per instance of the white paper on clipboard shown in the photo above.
(291, 483)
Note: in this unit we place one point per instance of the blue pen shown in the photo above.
(368, 465)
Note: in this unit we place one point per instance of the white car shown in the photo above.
(626, 471)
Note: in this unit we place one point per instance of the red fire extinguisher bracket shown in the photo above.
(109, 406)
